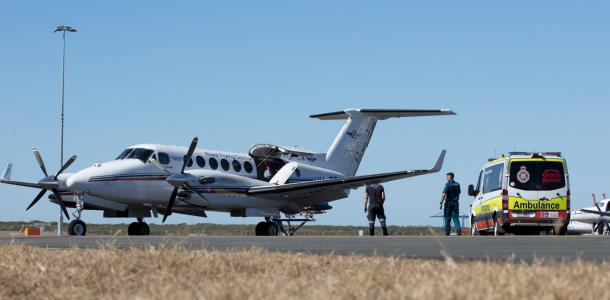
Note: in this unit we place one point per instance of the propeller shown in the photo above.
(600, 221)
(50, 183)
(179, 180)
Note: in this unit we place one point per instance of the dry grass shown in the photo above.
(178, 274)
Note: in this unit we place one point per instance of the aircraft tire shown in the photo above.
(261, 229)
(77, 227)
(272, 229)
(143, 229)
(133, 229)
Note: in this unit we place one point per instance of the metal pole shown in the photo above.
(63, 68)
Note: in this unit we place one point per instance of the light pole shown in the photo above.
(63, 30)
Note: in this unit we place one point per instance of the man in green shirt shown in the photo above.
(451, 197)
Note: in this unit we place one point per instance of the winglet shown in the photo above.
(439, 162)
(6, 175)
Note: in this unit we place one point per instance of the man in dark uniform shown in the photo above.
(451, 197)
(373, 206)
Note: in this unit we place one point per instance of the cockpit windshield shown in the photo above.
(137, 153)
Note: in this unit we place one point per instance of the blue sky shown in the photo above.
(522, 75)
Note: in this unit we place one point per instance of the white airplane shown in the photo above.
(266, 182)
(596, 218)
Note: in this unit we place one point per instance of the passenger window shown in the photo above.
(213, 163)
(163, 158)
(236, 166)
(492, 178)
(224, 164)
(248, 167)
(200, 161)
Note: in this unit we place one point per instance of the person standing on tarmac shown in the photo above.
(373, 207)
(451, 197)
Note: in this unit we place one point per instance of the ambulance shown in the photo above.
(521, 193)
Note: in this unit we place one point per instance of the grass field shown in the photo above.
(32, 273)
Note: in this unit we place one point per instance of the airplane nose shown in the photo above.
(77, 183)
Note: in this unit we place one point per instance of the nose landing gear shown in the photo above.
(77, 226)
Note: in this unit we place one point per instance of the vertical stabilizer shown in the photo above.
(347, 150)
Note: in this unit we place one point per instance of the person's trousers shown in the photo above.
(376, 212)
(452, 212)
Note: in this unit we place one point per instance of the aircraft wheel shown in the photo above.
(143, 229)
(77, 227)
(133, 229)
(272, 229)
(261, 229)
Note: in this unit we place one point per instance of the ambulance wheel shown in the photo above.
(272, 229)
(261, 229)
(77, 227)
(497, 229)
(473, 229)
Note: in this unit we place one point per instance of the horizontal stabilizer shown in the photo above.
(384, 114)
(601, 213)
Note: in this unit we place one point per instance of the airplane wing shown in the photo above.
(601, 213)
(297, 190)
(6, 178)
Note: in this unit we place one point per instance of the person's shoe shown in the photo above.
(459, 233)
(372, 232)
(385, 232)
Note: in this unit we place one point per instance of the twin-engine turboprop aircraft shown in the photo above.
(159, 179)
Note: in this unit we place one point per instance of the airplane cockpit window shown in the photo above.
(163, 158)
(140, 154)
(124, 154)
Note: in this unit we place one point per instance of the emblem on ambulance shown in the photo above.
(523, 175)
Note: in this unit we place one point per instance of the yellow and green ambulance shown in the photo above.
(521, 193)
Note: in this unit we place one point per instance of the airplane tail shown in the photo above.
(347, 150)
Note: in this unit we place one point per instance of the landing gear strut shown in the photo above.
(138, 228)
(77, 226)
(274, 226)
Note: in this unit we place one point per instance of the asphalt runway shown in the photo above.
(526, 248)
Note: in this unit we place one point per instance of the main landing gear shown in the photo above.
(138, 228)
(275, 226)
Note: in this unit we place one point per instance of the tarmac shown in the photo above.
(519, 248)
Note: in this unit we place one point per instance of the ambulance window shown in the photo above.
(163, 158)
(140, 154)
(124, 154)
(478, 189)
(537, 175)
(236, 166)
(200, 161)
(248, 167)
(224, 164)
(492, 178)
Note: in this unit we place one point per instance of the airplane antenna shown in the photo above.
(63, 30)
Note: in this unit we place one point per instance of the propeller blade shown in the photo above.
(37, 198)
(170, 204)
(65, 166)
(39, 160)
(61, 203)
(189, 154)
(595, 203)
(190, 188)
(158, 165)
